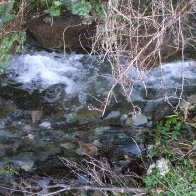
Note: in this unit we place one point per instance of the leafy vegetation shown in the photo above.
(78, 7)
(8, 169)
(7, 44)
(6, 14)
(12, 39)
(181, 180)
(170, 142)
(172, 126)
(12, 36)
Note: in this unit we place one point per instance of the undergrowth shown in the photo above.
(173, 143)
(13, 18)
(180, 180)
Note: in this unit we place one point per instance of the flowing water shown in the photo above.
(49, 107)
(40, 70)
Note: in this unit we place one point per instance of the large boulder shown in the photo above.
(67, 31)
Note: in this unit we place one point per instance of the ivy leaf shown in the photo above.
(53, 11)
(82, 8)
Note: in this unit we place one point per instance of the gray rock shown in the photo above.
(163, 165)
(6, 134)
(100, 130)
(132, 148)
(68, 145)
(137, 120)
(97, 143)
(25, 165)
(123, 118)
(45, 125)
(43, 183)
(2, 154)
(27, 128)
(113, 114)
(70, 117)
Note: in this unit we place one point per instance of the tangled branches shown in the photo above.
(142, 34)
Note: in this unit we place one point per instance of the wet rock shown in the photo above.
(26, 165)
(21, 161)
(139, 119)
(36, 115)
(45, 125)
(158, 109)
(28, 138)
(100, 130)
(27, 128)
(22, 98)
(123, 118)
(97, 143)
(7, 134)
(70, 117)
(54, 93)
(113, 114)
(68, 145)
(84, 116)
(6, 107)
(43, 183)
(136, 120)
(132, 148)
(86, 148)
(2, 151)
(65, 30)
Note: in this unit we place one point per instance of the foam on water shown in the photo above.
(41, 70)
(166, 75)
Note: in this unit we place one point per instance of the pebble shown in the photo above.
(45, 125)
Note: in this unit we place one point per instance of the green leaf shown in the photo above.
(5, 15)
(82, 8)
(53, 11)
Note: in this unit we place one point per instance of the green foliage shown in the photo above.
(166, 132)
(78, 7)
(172, 125)
(7, 169)
(152, 180)
(6, 45)
(53, 11)
(181, 180)
(5, 12)
(55, 8)
(82, 7)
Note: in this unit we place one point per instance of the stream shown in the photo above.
(49, 108)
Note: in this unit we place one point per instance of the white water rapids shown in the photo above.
(42, 69)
